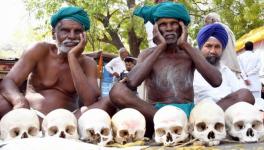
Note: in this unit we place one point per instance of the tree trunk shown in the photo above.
(133, 40)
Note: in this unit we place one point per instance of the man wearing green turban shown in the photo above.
(167, 68)
(58, 74)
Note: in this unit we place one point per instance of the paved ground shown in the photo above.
(253, 146)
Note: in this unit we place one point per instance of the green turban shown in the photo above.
(163, 10)
(73, 13)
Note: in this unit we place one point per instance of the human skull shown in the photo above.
(60, 123)
(171, 125)
(244, 122)
(19, 123)
(95, 127)
(207, 122)
(129, 125)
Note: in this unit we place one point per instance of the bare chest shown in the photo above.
(172, 72)
(52, 74)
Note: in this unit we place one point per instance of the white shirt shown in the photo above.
(149, 30)
(250, 64)
(115, 65)
(203, 90)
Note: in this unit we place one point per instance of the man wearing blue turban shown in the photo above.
(58, 74)
(167, 69)
(212, 40)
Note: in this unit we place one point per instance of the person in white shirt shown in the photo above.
(212, 40)
(117, 65)
(250, 64)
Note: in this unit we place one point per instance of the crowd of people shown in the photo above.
(174, 72)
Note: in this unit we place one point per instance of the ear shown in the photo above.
(53, 34)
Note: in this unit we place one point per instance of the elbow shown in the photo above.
(217, 82)
(131, 84)
(97, 93)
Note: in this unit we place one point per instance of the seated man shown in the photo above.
(168, 68)
(212, 40)
(58, 74)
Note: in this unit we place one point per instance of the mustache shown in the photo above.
(70, 41)
(170, 33)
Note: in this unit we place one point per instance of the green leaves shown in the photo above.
(113, 20)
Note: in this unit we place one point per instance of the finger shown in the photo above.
(123, 80)
(85, 36)
(155, 29)
(81, 37)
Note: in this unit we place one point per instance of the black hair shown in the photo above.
(249, 46)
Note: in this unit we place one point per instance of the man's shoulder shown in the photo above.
(87, 59)
(41, 47)
(146, 51)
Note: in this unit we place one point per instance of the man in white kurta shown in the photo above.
(250, 64)
(117, 65)
(212, 40)
(203, 90)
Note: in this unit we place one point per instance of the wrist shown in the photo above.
(184, 45)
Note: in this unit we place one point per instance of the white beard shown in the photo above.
(64, 49)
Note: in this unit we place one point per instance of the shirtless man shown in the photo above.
(58, 74)
(168, 68)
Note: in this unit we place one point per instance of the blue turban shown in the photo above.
(216, 30)
(73, 13)
(163, 10)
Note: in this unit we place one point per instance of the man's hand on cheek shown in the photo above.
(157, 37)
(183, 36)
(79, 48)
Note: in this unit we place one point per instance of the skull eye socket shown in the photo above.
(105, 131)
(14, 132)
(70, 130)
(201, 126)
(176, 130)
(257, 125)
(219, 127)
(90, 132)
(53, 130)
(123, 133)
(239, 125)
(160, 132)
(33, 131)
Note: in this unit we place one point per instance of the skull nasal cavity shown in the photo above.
(169, 138)
(62, 135)
(250, 132)
(211, 135)
(24, 135)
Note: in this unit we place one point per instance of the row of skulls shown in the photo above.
(94, 126)
(208, 123)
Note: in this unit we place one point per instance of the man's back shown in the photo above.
(249, 61)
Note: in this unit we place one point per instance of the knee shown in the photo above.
(5, 107)
(118, 93)
(246, 96)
